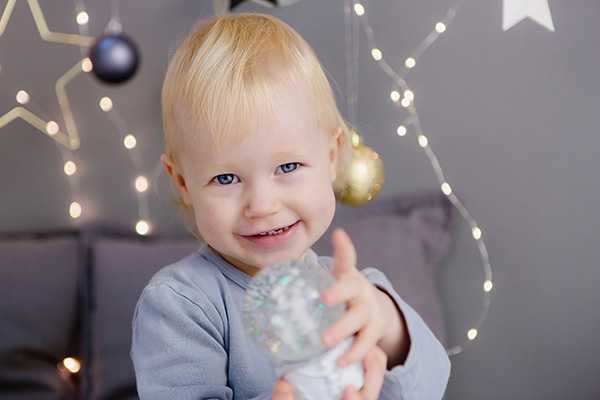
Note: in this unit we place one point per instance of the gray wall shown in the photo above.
(513, 117)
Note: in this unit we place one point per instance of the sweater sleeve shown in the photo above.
(170, 334)
(424, 375)
(178, 347)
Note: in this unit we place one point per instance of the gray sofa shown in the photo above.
(72, 293)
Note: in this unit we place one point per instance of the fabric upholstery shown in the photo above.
(406, 238)
(39, 316)
(74, 293)
(121, 269)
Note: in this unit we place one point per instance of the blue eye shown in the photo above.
(287, 168)
(226, 179)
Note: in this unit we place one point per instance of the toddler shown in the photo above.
(254, 143)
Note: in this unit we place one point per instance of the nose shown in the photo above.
(262, 200)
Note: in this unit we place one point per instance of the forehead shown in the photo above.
(289, 116)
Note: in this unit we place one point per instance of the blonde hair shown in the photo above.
(228, 67)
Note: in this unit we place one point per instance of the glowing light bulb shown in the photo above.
(405, 102)
(70, 168)
(440, 27)
(401, 130)
(355, 139)
(446, 188)
(408, 94)
(476, 233)
(141, 184)
(75, 210)
(377, 54)
(129, 142)
(410, 62)
(472, 334)
(23, 97)
(51, 127)
(359, 9)
(83, 18)
(487, 286)
(86, 65)
(106, 104)
(72, 364)
(422, 140)
(395, 95)
(142, 227)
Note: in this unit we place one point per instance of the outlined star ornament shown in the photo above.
(225, 6)
(514, 11)
(71, 138)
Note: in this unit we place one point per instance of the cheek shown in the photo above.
(323, 212)
(329, 207)
(210, 220)
(323, 203)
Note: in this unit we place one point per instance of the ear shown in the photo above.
(177, 177)
(334, 153)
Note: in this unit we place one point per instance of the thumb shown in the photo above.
(344, 254)
(283, 391)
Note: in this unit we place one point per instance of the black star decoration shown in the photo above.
(235, 3)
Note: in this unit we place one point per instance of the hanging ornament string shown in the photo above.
(351, 35)
(114, 25)
(405, 100)
(363, 176)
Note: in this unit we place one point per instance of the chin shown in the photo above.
(285, 256)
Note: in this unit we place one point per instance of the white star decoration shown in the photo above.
(71, 138)
(514, 11)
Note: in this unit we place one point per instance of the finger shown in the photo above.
(350, 393)
(344, 254)
(283, 390)
(364, 341)
(375, 365)
(347, 325)
(342, 291)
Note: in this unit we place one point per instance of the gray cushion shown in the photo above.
(121, 269)
(38, 314)
(406, 238)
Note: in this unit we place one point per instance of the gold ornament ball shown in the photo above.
(364, 176)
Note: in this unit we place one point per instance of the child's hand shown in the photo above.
(370, 314)
(374, 364)
(283, 390)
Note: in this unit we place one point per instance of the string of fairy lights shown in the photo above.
(141, 182)
(69, 141)
(403, 97)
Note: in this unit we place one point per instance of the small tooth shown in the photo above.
(274, 232)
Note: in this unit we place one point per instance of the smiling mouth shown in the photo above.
(274, 231)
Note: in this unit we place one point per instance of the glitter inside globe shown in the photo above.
(284, 313)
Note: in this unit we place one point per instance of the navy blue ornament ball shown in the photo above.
(114, 58)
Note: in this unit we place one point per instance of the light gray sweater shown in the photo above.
(189, 341)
